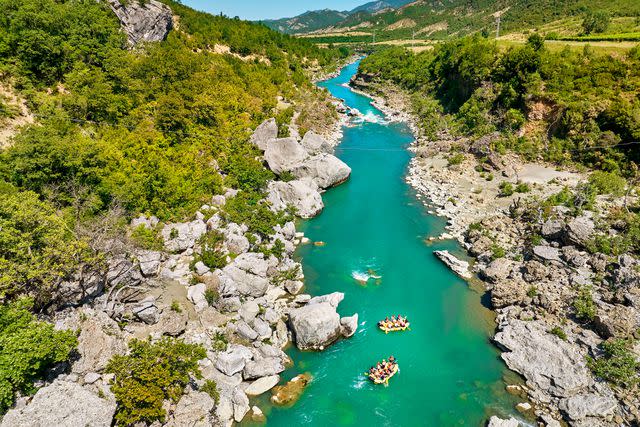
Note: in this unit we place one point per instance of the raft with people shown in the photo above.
(394, 324)
(383, 371)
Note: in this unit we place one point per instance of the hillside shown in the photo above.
(436, 20)
(321, 19)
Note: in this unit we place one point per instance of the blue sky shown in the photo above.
(267, 9)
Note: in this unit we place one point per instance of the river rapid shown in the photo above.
(375, 230)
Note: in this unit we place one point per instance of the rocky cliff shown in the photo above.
(143, 21)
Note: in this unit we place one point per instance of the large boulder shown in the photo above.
(498, 270)
(546, 253)
(63, 404)
(193, 410)
(267, 131)
(315, 144)
(548, 363)
(616, 321)
(182, 236)
(284, 155)
(315, 326)
(349, 325)
(552, 229)
(579, 231)
(508, 292)
(265, 367)
(326, 170)
(149, 262)
(262, 385)
(299, 194)
(100, 339)
(581, 406)
(249, 274)
(233, 360)
(499, 422)
(143, 21)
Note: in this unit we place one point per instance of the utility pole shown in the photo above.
(413, 39)
(498, 26)
(374, 37)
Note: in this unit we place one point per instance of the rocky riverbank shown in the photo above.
(243, 311)
(538, 266)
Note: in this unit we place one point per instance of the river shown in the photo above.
(450, 373)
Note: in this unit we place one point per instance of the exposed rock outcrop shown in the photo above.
(143, 21)
(460, 267)
(299, 194)
(63, 404)
(284, 155)
(326, 170)
(266, 132)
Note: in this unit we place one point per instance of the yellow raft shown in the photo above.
(386, 380)
(386, 329)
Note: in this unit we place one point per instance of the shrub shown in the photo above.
(151, 374)
(522, 187)
(497, 252)
(617, 365)
(220, 341)
(584, 305)
(475, 226)
(211, 253)
(147, 238)
(248, 208)
(455, 159)
(557, 331)
(211, 388)
(607, 183)
(211, 295)
(532, 291)
(506, 189)
(175, 306)
(28, 348)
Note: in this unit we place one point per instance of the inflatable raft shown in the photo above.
(387, 329)
(386, 380)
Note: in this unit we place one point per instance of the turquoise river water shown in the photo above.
(450, 373)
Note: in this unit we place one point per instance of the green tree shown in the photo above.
(596, 22)
(37, 248)
(151, 374)
(28, 348)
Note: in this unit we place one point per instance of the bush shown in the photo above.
(211, 296)
(607, 183)
(523, 187)
(617, 365)
(557, 331)
(151, 374)
(211, 388)
(455, 159)
(584, 305)
(248, 208)
(211, 253)
(506, 189)
(28, 348)
(147, 238)
(497, 252)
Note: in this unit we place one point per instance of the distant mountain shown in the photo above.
(320, 19)
(376, 6)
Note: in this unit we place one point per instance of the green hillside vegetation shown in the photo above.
(582, 101)
(454, 18)
(155, 130)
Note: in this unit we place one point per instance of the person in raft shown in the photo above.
(394, 322)
(383, 370)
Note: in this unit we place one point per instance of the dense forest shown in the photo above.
(559, 106)
(155, 130)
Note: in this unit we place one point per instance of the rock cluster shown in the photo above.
(308, 161)
(244, 313)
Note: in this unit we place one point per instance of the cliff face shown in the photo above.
(148, 21)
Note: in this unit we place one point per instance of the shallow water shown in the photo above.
(373, 225)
